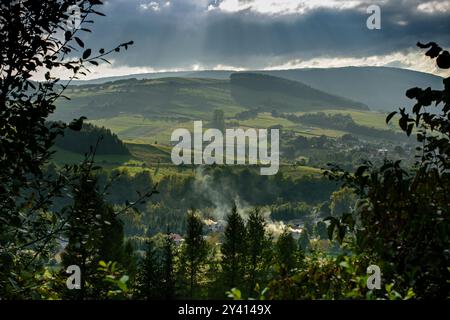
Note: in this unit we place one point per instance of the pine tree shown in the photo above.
(150, 272)
(216, 288)
(234, 250)
(94, 233)
(168, 287)
(259, 249)
(194, 252)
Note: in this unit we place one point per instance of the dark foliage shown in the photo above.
(29, 34)
(83, 140)
(403, 218)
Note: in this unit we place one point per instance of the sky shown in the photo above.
(174, 35)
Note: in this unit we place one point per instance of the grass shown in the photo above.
(151, 155)
(142, 130)
(138, 129)
(266, 120)
(372, 119)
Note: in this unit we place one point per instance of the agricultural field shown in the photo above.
(138, 129)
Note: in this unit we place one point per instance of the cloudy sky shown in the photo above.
(267, 34)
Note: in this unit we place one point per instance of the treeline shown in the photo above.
(89, 137)
(341, 122)
(248, 114)
(291, 211)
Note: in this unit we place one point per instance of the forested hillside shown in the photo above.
(91, 136)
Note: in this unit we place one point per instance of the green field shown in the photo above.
(139, 129)
(374, 119)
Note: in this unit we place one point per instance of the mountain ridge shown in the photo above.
(380, 88)
(196, 98)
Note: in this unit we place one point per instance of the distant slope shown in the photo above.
(380, 88)
(269, 93)
(195, 98)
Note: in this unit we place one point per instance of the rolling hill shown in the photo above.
(196, 98)
(380, 88)
(266, 92)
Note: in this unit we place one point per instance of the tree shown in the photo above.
(402, 219)
(148, 282)
(93, 231)
(303, 240)
(30, 34)
(286, 251)
(155, 277)
(194, 251)
(342, 201)
(259, 249)
(234, 250)
(168, 286)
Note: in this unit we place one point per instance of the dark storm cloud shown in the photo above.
(184, 33)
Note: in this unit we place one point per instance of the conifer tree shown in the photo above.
(148, 282)
(94, 233)
(168, 287)
(259, 246)
(234, 250)
(194, 251)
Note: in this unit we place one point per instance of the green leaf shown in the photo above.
(124, 279)
(235, 294)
